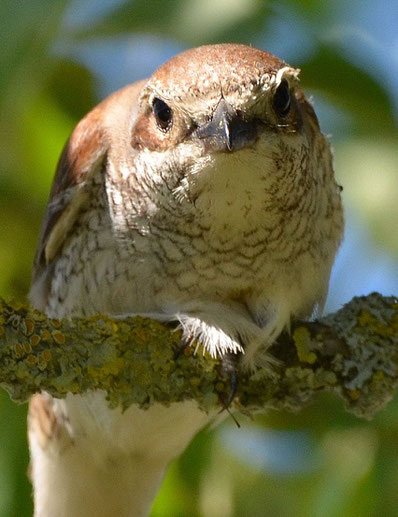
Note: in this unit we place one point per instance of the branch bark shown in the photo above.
(353, 353)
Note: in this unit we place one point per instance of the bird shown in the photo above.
(203, 195)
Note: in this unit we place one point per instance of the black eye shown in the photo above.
(282, 100)
(163, 114)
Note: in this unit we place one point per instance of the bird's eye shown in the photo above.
(282, 100)
(163, 114)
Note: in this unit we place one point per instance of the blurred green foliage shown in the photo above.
(351, 467)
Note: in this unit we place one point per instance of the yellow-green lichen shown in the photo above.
(19, 350)
(139, 361)
(302, 340)
(58, 337)
(378, 376)
(31, 359)
(354, 394)
(28, 326)
(369, 321)
(45, 335)
(46, 355)
(35, 339)
(27, 347)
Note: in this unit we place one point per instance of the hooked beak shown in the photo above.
(227, 130)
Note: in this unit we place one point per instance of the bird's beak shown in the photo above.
(227, 130)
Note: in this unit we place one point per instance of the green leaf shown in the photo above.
(350, 89)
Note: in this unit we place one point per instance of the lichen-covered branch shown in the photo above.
(353, 352)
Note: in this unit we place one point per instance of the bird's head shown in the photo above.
(221, 119)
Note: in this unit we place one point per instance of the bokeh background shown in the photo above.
(58, 58)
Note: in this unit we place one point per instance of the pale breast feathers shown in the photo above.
(84, 156)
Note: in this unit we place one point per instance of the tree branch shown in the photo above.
(353, 352)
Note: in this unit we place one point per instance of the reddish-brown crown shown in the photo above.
(229, 66)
